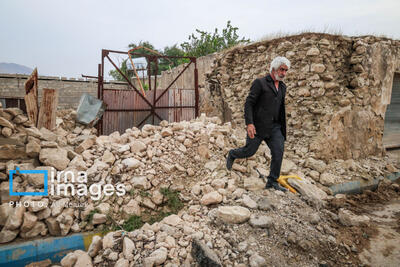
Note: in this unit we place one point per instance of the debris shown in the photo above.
(31, 97)
(48, 108)
(90, 110)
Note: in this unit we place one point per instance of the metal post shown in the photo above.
(99, 124)
(155, 87)
(196, 88)
(149, 70)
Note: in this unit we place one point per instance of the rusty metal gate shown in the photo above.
(130, 108)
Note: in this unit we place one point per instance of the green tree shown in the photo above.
(197, 46)
(124, 65)
(172, 51)
(124, 69)
(208, 43)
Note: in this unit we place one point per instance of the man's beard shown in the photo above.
(277, 77)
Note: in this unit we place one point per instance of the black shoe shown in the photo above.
(229, 161)
(276, 186)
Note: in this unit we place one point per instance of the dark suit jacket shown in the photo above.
(264, 106)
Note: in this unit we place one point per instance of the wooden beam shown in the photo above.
(48, 109)
(31, 97)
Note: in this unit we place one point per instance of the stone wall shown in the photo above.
(338, 90)
(70, 90)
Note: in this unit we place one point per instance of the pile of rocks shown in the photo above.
(143, 160)
(249, 228)
(28, 148)
(220, 207)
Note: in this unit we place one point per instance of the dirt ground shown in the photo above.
(296, 239)
(377, 242)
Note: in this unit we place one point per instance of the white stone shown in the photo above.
(168, 167)
(104, 208)
(138, 146)
(108, 157)
(248, 202)
(218, 183)
(211, 165)
(7, 235)
(124, 148)
(131, 163)
(83, 259)
(48, 135)
(37, 180)
(33, 131)
(58, 206)
(127, 248)
(55, 157)
(318, 68)
(65, 221)
(233, 214)
(122, 263)
(78, 163)
(108, 240)
(53, 226)
(166, 132)
(327, 179)
(6, 123)
(99, 218)
(132, 208)
(307, 189)
(262, 221)
(256, 260)
(287, 166)
(37, 229)
(95, 246)
(5, 211)
(69, 260)
(211, 198)
(253, 183)
(14, 220)
(159, 256)
(29, 222)
(313, 51)
(317, 165)
(85, 145)
(196, 189)
(140, 182)
(157, 197)
(172, 220)
(32, 148)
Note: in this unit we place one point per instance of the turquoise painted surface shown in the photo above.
(54, 248)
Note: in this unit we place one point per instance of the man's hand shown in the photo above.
(251, 130)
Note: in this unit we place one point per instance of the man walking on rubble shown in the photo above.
(265, 117)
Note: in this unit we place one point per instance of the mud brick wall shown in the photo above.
(70, 90)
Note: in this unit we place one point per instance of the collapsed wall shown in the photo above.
(338, 90)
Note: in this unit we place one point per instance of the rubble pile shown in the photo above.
(146, 161)
(247, 228)
(177, 193)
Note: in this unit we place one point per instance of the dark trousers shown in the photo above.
(275, 143)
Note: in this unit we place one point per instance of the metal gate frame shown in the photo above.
(152, 106)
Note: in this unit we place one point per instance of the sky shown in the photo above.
(65, 37)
